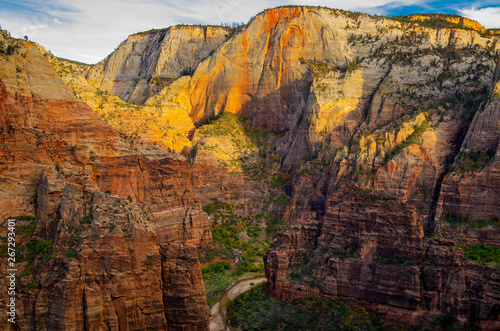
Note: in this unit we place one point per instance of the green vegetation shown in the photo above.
(351, 66)
(458, 220)
(37, 249)
(70, 253)
(152, 31)
(9, 49)
(211, 120)
(29, 229)
(413, 138)
(216, 207)
(215, 286)
(253, 310)
(218, 276)
(318, 68)
(472, 161)
(435, 21)
(218, 267)
(482, 254)
(74, 62)
(187, 72)
(246, 266)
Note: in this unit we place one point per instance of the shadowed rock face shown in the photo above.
(374, 250)
(476, 196)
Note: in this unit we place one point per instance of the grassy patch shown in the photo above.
(215, 286)
(458, 220)
(472, 161)
(482, 254)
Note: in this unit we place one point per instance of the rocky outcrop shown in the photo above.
(471, 189)
(146, 62)
(183, 291)
(106, 269)
(372, 248)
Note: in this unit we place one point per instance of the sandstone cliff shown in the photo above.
(382, 103)
(146, 62)
(361, 99)
(381, 127)
(471, 188)
(116, 218)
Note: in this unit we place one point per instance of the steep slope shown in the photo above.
(476, 195)
(366, 100)
(116, 218)
(331, 80)
(146, 62)
(381, 127)
(164, 123)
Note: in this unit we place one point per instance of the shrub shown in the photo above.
(70, 253)
(217, 267)
(482, 254)
(456, 220)
(472, 161)
(253, 310)
(246, 266)
(41, 249)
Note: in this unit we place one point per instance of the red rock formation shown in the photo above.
(102, 265)
(476, 195)
(183, 291)
(371, 248)
(373, 113)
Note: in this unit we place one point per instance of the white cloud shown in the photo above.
(489, 16)
(89, 30)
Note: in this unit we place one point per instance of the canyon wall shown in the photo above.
(385, 128)
(146, 62)
(391, 113)
(108, 225)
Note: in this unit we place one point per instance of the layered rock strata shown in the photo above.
(146, 62)
(116, 218)
(372, 248)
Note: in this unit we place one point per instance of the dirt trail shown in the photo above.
(218, 312)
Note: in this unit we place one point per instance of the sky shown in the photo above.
(89, 30)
